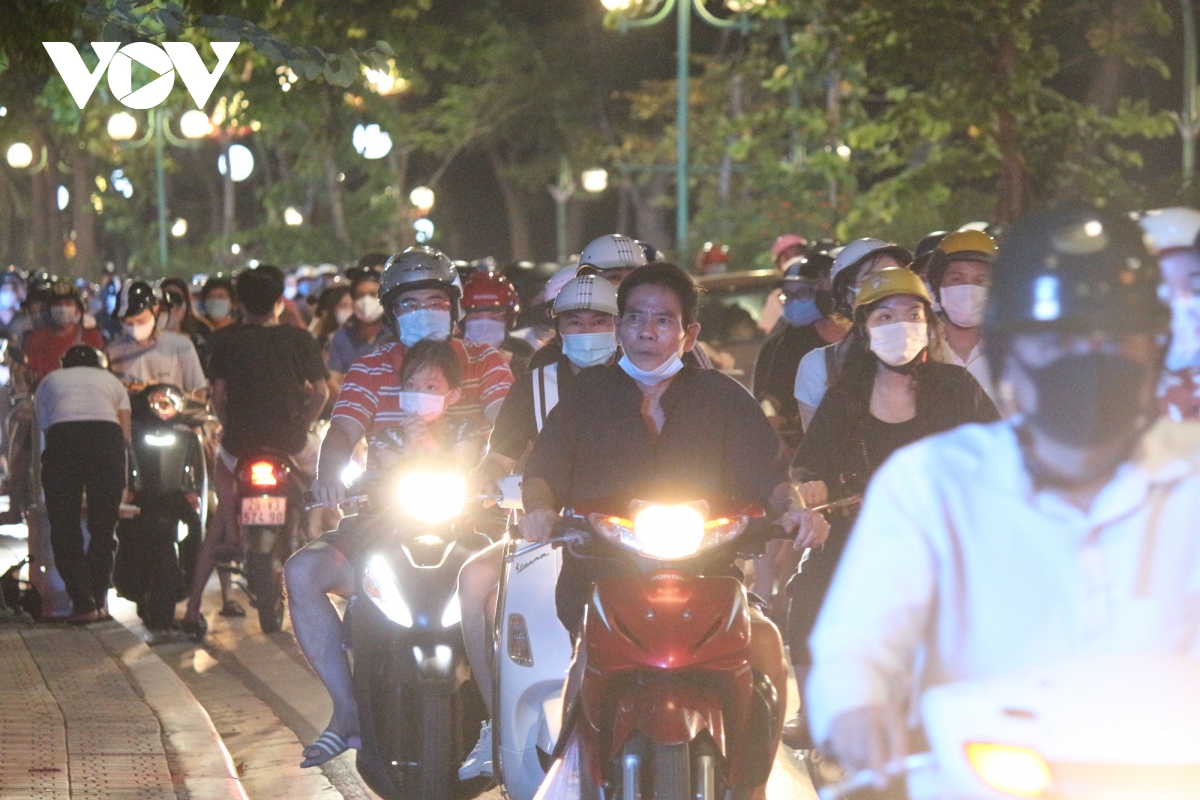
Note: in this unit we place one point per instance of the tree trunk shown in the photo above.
(648, 212)
(515, 208)
(337, 207)
(83, 216)
(1109, 79)
(228, 195)
(47, 220)
(1011, 192)
(402, 235)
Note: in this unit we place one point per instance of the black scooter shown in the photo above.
(412, 680)
(158, 536)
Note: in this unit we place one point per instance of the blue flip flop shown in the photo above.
(331, 744)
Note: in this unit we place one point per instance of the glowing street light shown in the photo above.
(179, 228)
(195, 124)
(422, 198)
(595, 180)
(387, 82)
(292, 217)
(617, 5)
(371, 142)
(235, 248)
(424, 229)
(122, 126)
(241, 163)
(63, 197)
(19, 155)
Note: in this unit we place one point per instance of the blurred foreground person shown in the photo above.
(1068, 531)
(1175, 234)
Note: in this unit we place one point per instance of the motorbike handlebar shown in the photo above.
(845, 502)
(867, 777)
(572, 534)
(310, 500)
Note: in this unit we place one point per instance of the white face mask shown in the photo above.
(368, 308)
(1185, 333)
(485, 331)
(8, 300)
(899, 343)
(64, 315)
(423, 324)
(140, 332)
(589, 349)
(964, 304)
(654, 376)
(342, 315)
(427, 406)
(218, 308)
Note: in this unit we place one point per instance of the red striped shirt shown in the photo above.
(371, 391)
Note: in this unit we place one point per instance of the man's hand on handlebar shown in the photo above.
(329, 490)
(810, 528)
(538, 526)
(869, 738)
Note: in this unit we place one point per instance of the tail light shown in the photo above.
(262, 475)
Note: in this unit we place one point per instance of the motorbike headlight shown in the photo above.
(453, 613)
(1014, 770)
(669, 532)
(352, 472)
(433, 497)
(159, 439)
(381, 585)
(165, 403)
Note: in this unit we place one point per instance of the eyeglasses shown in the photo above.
(410, 305)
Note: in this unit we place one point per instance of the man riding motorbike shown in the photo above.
(421, 302)
(623, 430)
(1067, 530)
(142, 354)
(585, 313)
(268, 390)
(959, 273)
(45, 347)
(490, 307)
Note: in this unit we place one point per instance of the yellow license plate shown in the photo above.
(264, 510)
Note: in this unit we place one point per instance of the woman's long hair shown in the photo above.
(855, 379)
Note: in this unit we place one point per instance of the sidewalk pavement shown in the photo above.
(90, 712)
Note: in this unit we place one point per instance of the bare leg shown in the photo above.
(478, 586)
(226, 579)
(766, 656)
(311, 574)
(222, 533)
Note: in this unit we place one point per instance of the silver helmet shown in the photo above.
(419, 268)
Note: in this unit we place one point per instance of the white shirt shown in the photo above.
(812, 377)
(170, 358)
(975, 363)
(80, 394)
(956, 556)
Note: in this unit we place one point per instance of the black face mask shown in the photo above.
(1089, 400)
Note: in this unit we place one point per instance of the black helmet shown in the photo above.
(1075, 270)
(928, 242)
(136, 297)
(81, 355)
(64, 290)
(419, 268)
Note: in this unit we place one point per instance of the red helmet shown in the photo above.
(489, 290)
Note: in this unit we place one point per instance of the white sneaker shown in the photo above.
(479, 763)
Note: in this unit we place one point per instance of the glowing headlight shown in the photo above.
(165, 402)
(453, 613)
(352, 472)
(157, 440)
(1019, 771)
(433, 497)
(669, 532)
(380, 584)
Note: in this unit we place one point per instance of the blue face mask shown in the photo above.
(799, 313)
(424, 324)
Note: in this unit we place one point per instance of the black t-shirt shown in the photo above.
(265, 369)
(715, 440)
(516, 424)
(845, 443)
(777, 365)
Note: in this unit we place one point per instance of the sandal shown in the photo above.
(85, 617)
(331, 744)
(232, 608)
(194, 630)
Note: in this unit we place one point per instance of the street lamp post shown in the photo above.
(122, 127)
(683, 34)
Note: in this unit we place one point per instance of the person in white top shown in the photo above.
(851, 267)
(142, 354)
(85, 413)
(960, 271)
(1070, 529)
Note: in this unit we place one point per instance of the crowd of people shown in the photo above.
(1000, 401)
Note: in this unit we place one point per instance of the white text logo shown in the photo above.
(164, 61)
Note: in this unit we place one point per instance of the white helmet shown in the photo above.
(590, 292)
(1171, 228)
(612, 251)
(854, 252)
(557, 281)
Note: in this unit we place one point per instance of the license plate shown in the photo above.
(264, 510)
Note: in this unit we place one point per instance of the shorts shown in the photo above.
(306, 459)
(353, 539)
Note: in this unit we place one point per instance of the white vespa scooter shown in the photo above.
(533, 655)
(1113, 727)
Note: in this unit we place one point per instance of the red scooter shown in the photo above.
(669, 706)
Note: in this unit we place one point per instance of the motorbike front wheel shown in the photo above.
(437, 766)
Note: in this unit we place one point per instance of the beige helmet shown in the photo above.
(589, 292)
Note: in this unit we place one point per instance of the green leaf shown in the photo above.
(385, 48)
